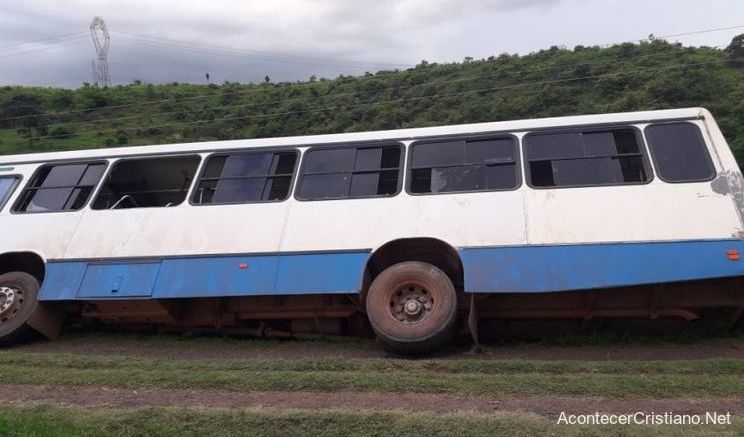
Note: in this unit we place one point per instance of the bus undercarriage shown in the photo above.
(481, 315)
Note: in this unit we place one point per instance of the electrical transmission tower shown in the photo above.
(101, 40)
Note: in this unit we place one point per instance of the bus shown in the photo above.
(411, 235)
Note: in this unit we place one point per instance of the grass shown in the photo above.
(44, 420)
(618, 379)
(324, 367)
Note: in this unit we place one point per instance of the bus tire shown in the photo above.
(18, 292)
(412, 307)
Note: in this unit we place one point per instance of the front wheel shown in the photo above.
(412, 307)
(18, 292)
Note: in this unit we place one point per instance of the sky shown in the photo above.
(48, 43)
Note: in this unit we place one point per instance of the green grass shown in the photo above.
(44, 420)
(326, 369)
(660, 379)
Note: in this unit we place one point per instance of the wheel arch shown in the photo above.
(426, 249)
(28, 262)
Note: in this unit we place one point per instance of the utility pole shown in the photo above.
(101, 41)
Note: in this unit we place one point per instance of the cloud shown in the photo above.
(319, 36)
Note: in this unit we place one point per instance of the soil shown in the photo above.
(367, 349)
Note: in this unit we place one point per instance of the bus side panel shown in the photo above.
(729, 181)
(534, 269)
(634, 213)
(320, 273)
(46, 234)
(209, 276)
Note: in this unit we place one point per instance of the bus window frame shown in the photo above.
(5, 200)
(642, 146)
(117, 160)
(205, 161)
(709, 151)
(106, 162)
(465, 137)
(355, 145)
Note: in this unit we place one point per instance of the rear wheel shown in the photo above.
(18, 293)
(412, 307)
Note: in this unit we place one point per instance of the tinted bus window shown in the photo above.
(7, 186)
(64, 187)
(464, 165)
(577, 159)
(679, 152)
(148, 183)
(352, 172)
(246, 177)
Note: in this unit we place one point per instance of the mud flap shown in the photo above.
(473, 321)
(47, 319)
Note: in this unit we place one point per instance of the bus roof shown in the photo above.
(398, 134)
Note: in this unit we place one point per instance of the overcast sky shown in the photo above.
(242, 40)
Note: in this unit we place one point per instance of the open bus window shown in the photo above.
(464, 165)
(7, 186)
(148, 183)
(65, 187)
(679, 152)
(246, 178)
(353, 172)
(578, 159)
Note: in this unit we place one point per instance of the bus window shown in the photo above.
(464, 165)
(679, 152)
(7, 186)
(580, 159)
(65, 187)
(148, 182)
(245, 178)
(353, 172)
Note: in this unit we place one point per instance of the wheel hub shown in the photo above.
(411, 303)
(11, 300)
(412, 307)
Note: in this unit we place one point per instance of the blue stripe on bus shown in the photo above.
(516, 269)
(535, 269)
(209, 276)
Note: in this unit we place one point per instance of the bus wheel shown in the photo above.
(412, 307)
(18, 292)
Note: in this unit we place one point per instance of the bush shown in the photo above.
(60, 132)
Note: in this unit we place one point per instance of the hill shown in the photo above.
(650, 75)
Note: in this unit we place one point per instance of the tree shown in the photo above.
(24, 111)
(735, 50)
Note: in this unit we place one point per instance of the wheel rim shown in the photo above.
(11, 301)
(411, 303)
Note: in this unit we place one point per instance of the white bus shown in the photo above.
(615, 215)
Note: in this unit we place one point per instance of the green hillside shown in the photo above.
(584, 80)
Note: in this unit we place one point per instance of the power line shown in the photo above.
(159, 42)
(698, 32)
(388, 89)
(27, 50)
(213, 52)
(48, 40)
(433, 96)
